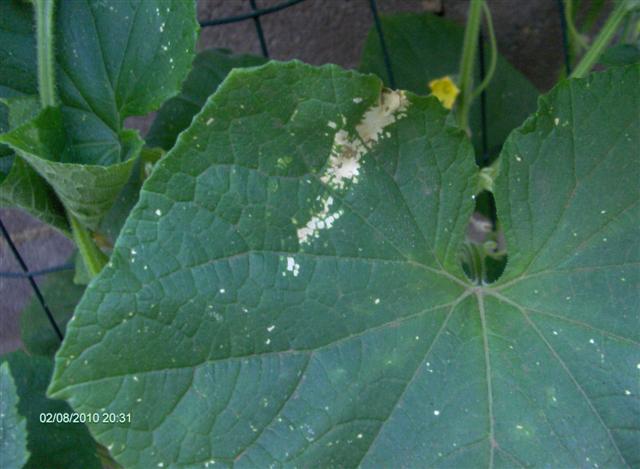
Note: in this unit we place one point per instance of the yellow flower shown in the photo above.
(445, 90)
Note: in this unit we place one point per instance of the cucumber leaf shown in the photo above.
(210, 68)
(13, 427)
(86, 189)
(81, 148)
(288, 292)
(424, 47)
(54, 445)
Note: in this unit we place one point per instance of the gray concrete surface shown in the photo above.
(317, 32)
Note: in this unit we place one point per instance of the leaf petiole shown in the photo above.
(46, 69)
(94, 259)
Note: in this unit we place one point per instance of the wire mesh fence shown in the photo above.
(254, 15)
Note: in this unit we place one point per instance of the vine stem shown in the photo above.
(469, 49)
(493, 44)
(602, 41)
(94, 259)
(46, 69)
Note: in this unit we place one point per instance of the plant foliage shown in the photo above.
(287, 290)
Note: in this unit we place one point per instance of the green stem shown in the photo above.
(469, 50)
(602, 41)
(46, 68)
(94, 259)
(494, 53)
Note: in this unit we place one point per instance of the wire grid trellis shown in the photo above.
(255, 15)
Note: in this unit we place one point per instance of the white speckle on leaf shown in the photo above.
(627, 392)
(209, 120)
(556, 121)
(603, 212)
(158, 212)
(376, 301)
(555, 332)
(591, 341)
(271, 328)
(332, 124)
(268, 341)
(518, 159)
(293, 266)
(222, 290)
(638, 366)
(519, 427)
(436, 412)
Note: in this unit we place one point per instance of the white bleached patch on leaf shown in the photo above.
(344, 161)
(320, 221)
(392, 107)
(347, 152)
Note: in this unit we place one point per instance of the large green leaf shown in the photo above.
(62, 295)
(13, 427)
(423, 47)
(114, 59)
(287, 290)
(210, 68)
(52, 445)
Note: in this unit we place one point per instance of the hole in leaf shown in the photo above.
(484, 252)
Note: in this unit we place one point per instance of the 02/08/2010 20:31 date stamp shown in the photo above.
(85, 417)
